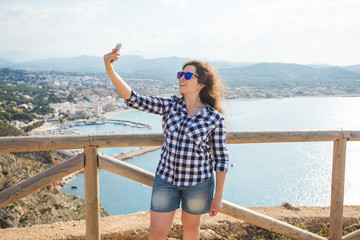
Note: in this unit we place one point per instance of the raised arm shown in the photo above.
(119, 83)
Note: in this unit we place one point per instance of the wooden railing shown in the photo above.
(91, 161)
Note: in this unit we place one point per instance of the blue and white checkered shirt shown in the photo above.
(186, 158)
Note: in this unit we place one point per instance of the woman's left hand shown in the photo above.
(216, 206)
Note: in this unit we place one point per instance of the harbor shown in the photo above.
(102, 120)
(69, 127)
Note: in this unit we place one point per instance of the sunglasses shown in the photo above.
(187, 75)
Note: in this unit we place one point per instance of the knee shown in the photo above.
(158, 231)
(191, 227)
(190, 224)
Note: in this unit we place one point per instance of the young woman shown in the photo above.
(195, 144)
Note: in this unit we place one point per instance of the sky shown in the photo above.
(289, 31)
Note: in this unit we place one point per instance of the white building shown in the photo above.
(98, 110)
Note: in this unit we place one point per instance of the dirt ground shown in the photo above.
(135, 226)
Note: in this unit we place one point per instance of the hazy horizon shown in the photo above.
(207, 60)
(301, 32)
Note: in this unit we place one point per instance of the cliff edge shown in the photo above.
(136, 226)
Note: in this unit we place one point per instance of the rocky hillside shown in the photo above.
(7, 130)
(16, 167)
(45, 206)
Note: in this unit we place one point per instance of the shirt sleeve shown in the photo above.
(218, 142)
(156, 105)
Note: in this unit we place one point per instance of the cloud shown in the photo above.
(260, 30)
(180, 3)
(49, 28)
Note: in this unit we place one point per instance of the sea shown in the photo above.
(261, 174)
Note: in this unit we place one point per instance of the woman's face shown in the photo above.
(192, 85)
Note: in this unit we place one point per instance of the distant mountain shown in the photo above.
(271, 74)
(139, 64)
(5, 62)
(127, 63)
(233, 73)
(354, 68)
(15, 55)
(319, 65)
(337, 73)
(226, 64)
(74, 64)
(267, 74)
(96, 64)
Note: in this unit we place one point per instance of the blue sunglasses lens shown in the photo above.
(180, 74)
(187, 76)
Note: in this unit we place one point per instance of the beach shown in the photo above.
(112, 113)
(45, 127)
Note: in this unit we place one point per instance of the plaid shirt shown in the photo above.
(186, 158)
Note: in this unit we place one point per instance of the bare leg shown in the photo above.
(191, 224)
(160, 225)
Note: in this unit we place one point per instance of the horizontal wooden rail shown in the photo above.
(290, 136)
(135, 173)
(266, 222)
(40, 180)
(44, 143)
(127, 140)
(126, 170)
(352, 236)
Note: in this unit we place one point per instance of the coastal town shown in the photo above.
(81, 99)
(78, 99)
(75, 99)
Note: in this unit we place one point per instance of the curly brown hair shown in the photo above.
(214, 91)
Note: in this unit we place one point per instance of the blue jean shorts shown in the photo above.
(194, 200)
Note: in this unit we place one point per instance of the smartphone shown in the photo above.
(118, 47)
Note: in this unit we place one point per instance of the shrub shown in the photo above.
(44, 210)
(57, 206)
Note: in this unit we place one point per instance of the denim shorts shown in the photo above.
(194, 200)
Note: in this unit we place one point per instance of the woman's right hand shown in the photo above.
(110, 59)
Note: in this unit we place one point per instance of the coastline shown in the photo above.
(113, 113)
(53, 127)
(50, 127)
(65, 180)
(122, 157)
(136, 152)
(45, 127)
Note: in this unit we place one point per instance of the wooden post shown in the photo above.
(337, 189)
(92, 204)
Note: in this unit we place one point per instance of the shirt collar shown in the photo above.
(182, 108)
